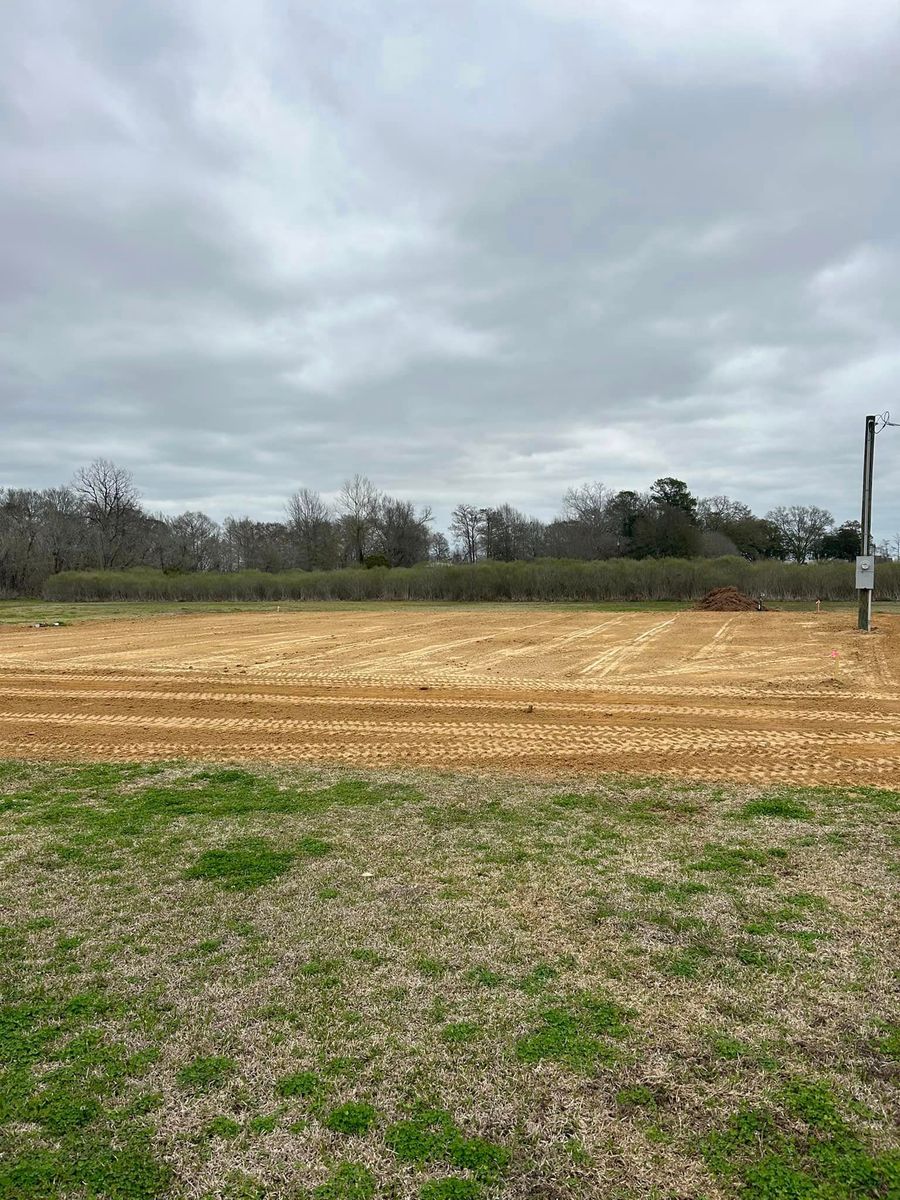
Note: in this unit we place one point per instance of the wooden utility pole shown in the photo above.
(865, 593)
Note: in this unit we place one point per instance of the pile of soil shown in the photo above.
(729, 599)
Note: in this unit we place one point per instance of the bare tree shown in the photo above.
(63, 529)
(438, 548)
(250, 545)
(801, 528)
(507, 534)
(194, 541)
(587, 502)
(311, 530)
(401, 534)
(587, 526)
(465, 526)
(110, 504)
(718, 513)
(357, 502)
(20, 533)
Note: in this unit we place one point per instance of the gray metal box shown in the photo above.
(865, 570)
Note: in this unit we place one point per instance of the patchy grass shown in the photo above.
(347, 1182)
(29, 612)
(787, 807)
(300, 1083)
(328, 985)
(205, 1073)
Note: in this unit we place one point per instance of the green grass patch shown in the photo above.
(690, 962)
(460, 1032)
(347, 1181)
(887, 1043)
(430, 1135)
(485, 977)
(353, 1118)
(451, 1188)
(581, 1037)
(803, 1146)
(299, 1084)
(206, 1073)
(242, 864)
(743, 863)
(786, 807)
(94, 805)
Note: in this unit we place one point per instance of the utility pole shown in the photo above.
(865, 564)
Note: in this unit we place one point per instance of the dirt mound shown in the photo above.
(729, 599)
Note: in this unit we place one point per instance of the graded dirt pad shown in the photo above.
(750, 697)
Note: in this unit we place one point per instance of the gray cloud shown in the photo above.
(475, 251)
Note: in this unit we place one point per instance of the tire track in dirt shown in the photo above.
(747, 699)
(597, 707)
(614, 659)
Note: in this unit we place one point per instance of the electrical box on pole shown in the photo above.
(865, 572)
(865, 563)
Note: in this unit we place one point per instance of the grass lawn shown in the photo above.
(27, 612)
(335, 986)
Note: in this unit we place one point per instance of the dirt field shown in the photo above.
(746, 697)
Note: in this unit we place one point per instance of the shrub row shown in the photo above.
(542, 579)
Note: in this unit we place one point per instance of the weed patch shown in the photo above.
(804, 1148)
(354, 1117)
(579, 1037)
(63, 1077)
(431, 1136)
(205, 1074)
(786, 807)
(301, 1084)
(223, 1127)
(451, 1189)
(639, 1096)
(347, 1182)
(242, 864)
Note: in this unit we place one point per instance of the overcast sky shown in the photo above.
(476, 250)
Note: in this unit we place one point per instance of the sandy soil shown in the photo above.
(751, 697)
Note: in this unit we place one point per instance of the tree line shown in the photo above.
(98, 522)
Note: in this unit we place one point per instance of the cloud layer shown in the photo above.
(476, 251)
